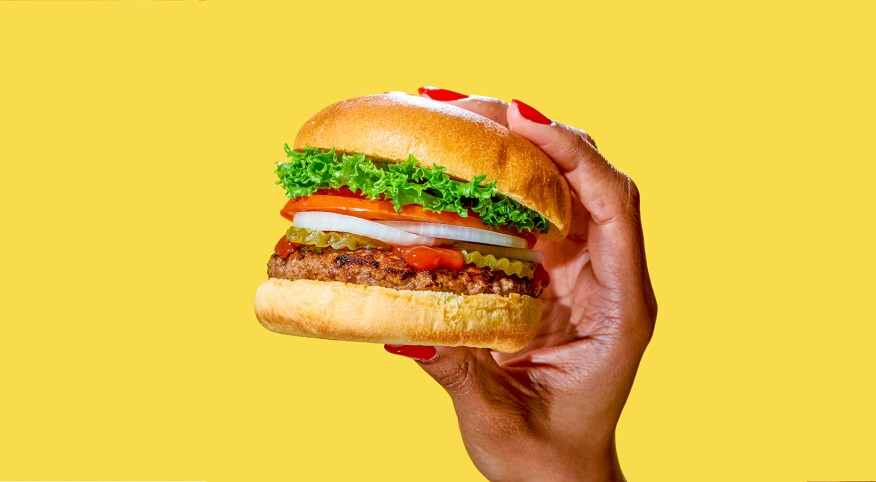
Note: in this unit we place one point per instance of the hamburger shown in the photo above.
(413, 222)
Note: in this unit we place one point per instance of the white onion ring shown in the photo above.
(458, 233)
(319, 221)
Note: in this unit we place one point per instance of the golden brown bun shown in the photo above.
(393, 126)
(343, 311)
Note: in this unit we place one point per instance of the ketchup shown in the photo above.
(531, 237)
(541, 275)
(284, 248)
(427, 258)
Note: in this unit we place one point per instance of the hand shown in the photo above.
(549, 412)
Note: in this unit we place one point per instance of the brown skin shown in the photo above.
(549, 412)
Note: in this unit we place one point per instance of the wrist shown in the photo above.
(596, 465)
(606, 467)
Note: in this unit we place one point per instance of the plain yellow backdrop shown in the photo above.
(137, 142)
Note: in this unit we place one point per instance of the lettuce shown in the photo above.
(404, 183)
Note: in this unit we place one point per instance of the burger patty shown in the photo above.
(385, 268)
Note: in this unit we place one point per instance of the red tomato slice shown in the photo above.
(375, 209)
(349, 203)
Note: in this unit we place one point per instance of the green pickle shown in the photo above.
(323, 239)
(511, 267)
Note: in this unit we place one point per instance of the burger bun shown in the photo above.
(344, 311)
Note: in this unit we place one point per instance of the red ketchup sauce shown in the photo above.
(427, 258)
(284, 248)
(541, 274)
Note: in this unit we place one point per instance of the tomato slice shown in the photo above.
(375, 209)
(351, 204)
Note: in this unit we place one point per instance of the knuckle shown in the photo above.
(648, 317)
(460, 378)
(631, 201)
(634, 197)
(571, 152)
(589, 139)
(572, 146)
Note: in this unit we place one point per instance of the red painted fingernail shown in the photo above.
(417, 352)
(435, 93)
(529, 113)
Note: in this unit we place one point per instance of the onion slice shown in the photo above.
(320, 221)
(458, 233)
(502, 252)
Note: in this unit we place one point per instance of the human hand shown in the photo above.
(549, 412)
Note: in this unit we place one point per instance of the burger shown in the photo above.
(413, 222)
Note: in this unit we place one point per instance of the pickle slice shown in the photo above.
(511, 267)
(325, 239)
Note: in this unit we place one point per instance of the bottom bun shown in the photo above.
(343, 311)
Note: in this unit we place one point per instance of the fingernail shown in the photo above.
(417, 352)
(529, 113)
(435, 93)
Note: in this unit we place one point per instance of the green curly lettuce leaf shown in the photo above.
(511, 267)
(403, 183)
(322, 239)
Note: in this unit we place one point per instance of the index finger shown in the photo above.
(614, 235)
(489, 107)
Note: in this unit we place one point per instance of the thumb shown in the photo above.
(468, 374)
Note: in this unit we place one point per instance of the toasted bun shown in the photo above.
(394, 126)
(343, 311)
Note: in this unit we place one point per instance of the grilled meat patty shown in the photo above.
(387, 269)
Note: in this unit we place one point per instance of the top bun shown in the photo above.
(394, 126)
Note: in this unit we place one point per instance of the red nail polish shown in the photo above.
(529, 113)
(435, 93)
(417, 352)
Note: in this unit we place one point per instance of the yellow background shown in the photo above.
(138, 211)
